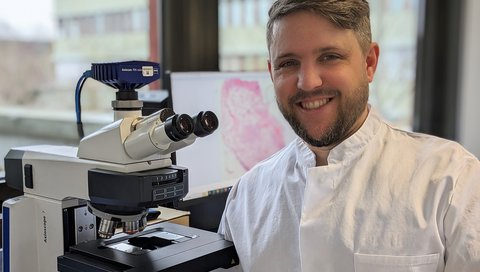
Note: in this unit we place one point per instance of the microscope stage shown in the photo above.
(161, 247)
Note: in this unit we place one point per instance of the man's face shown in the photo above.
(321, 77)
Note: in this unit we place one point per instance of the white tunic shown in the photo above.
(389, 200)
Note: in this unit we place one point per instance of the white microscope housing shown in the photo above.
(115, 175)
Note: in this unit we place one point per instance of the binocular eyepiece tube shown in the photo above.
(158, 132)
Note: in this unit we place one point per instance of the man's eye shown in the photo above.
(287, 63)
(329, 57)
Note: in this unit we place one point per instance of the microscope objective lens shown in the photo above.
(107, 228)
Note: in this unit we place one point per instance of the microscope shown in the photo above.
(85, 208)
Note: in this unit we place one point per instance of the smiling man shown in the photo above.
(351, 193)
(321, 75)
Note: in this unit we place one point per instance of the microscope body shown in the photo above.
(40, 223)
(75, 195)
(74, 199)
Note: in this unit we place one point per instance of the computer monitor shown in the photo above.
(251, 128)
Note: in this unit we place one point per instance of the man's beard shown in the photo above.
(348, 113)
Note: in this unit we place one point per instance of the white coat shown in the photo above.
(388, 200)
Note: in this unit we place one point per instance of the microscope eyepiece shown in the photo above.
(164, 132)
(205, 123)
(179, 127)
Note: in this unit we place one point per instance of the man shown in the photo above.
(350, 193)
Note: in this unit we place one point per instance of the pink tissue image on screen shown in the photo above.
(248, 129)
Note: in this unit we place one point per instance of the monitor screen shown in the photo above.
(251, 128)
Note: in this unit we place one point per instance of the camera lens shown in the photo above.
(178, 127)
(205, 123)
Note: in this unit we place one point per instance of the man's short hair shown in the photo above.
(345, 14)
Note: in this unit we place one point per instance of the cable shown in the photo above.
(78, 106)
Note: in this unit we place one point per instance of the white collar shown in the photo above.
(345, 150)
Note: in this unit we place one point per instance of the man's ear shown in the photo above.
(371, 60)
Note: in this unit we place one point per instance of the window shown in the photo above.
(45, 52)
(59, 43)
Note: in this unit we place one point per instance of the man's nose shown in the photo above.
(309, 77)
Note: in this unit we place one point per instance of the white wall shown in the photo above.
(469, 123)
